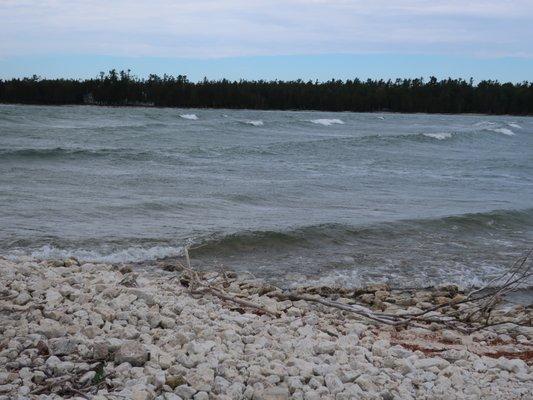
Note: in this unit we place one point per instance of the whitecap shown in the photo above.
(485, 124)
(380, 117)
(438, 136)
(327, 121)
(255, 123)
(131, 254)
(503, 131)
(514, 125)
(193, 117)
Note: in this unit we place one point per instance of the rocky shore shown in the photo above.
(112, 332)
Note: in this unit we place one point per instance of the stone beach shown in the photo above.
(104, 331)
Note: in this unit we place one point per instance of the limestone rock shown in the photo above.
(132, 352)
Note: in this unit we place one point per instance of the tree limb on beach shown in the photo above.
(468, 314)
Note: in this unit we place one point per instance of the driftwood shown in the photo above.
(198, 285)
(475, 314)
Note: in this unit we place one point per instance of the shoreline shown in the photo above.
(104, 331)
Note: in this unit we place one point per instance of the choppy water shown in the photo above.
(412, 199)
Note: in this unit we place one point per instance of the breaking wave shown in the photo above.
(192, 117)
(503, 131)
(438, 136)
(254, 122)
(327, 121)
(129, 254)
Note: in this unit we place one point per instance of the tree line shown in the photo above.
(401, 95)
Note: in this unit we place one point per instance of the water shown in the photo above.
(409, 199)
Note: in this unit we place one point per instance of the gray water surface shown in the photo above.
(411, 199)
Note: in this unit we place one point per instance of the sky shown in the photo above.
(269, 39)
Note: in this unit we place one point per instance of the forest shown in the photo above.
(121, 88)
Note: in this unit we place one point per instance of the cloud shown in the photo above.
(208, 28)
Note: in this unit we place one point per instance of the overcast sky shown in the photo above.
(273, 38)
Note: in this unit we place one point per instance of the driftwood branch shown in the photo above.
(475, 314)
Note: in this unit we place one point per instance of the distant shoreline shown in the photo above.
(119, 88)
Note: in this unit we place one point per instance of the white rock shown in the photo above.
(53, 297)
(426, 363)
(89, 375)
(200, 348)
(274, 393)
(132, 352)
(333, 383)
(63, 346)
(515, 365)
(185, 391)
(451, 336)
(325, 347)
(201, 396)
(51, 328)
(479, 366)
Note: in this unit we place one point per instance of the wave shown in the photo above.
(490, 126)
(309, 237)
(192, 117)
(128, 254)
(327, 121)
(254, 122)
(438, 136)
(59, 152)
(503, 131)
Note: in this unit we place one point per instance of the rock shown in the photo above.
(325, 347)
(366, 383)
(174, 381)
(100, 350)
(53, 297)
(185, 391)
(165, 361)
(51, 328)
(201, 396)
(479, 366)
(71, 262)
(451, 336)
(63, 346)
(140, 394)
(7, 377)
(88, 376)
(200, 348)
(274, 393)
(333, 383)
(515, 365)
(427, 363)
(202, 378)
(133, 353)
(22, 298)
(171, 396)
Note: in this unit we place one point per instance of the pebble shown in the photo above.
(156, 341)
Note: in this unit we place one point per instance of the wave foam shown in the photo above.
(438, 136)
(503, 131)
(514, 125)
(192, 117)
(327, 121)
(255, 123)
(131, 254)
